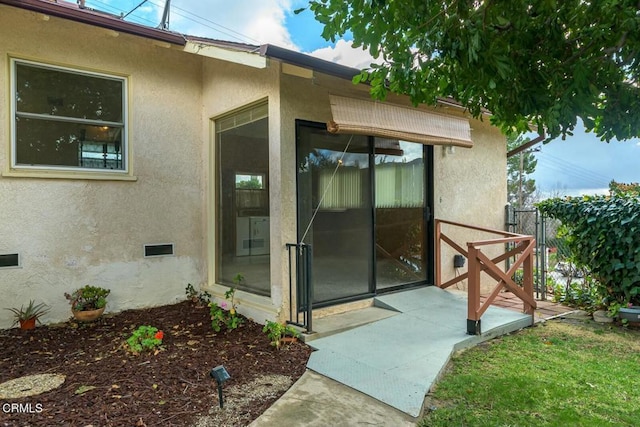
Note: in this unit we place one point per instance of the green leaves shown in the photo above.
(145, 338)
(603, 236)
(547, 62)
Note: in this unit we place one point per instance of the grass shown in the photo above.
(555, 374)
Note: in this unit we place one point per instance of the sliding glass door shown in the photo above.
(363, 205)
(400, 194)
(334, 211)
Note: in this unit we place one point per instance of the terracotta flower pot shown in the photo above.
(27, 324)
(88, 315)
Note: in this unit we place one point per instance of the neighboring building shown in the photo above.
(141, 160)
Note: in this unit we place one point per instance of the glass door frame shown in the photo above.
(428, 219)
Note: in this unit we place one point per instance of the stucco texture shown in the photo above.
(72, 232)
(470, 188)
(469, 183)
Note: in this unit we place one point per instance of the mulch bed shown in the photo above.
(108, 386)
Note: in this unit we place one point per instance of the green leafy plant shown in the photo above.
(579, 294)
(88, 298)
(603, 234)
(32, 311)
(276, 331)
(197, 297)
(145, 338)
(219, 313)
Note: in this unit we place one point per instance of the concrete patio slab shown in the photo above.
(396, 360)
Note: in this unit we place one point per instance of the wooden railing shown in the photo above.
(478, 262)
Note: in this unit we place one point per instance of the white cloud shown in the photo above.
(246, 21)
(344, 53)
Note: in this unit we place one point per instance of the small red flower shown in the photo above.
(159, 335)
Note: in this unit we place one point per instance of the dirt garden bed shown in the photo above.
(105, 385)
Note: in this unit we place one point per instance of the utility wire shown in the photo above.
(134, 9)
(573, 165)
(200, 20)
(547, 161)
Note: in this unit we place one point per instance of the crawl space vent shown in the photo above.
(163, 249)
(9, 260)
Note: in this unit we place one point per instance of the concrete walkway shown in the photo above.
(396, 360)
(317, 401)
(379, 373)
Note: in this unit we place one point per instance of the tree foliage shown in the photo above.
(618, 188)
(541, 62)
(520, 186)
(604, 235)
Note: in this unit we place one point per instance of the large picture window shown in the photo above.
(67, 119)
(242, 173)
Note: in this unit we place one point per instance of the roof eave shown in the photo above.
(84, 17)
(306, 61)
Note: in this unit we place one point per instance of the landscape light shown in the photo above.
(220, 374)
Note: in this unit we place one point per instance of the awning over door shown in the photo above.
(364, 117)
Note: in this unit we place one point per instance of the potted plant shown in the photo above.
(27, 317)
(88, 303)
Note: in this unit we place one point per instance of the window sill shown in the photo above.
(69, 175)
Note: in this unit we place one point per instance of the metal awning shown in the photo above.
(374, 118)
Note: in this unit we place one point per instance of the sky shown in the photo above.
(581, 164)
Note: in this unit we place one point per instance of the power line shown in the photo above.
(573, 165)
(246, 37)
(199, 21)
(572, 170)
(568, 169)
(594, 182)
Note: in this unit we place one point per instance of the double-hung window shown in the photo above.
(67, 120)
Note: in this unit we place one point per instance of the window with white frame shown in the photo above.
(66, 119)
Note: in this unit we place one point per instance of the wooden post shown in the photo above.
(527, 280)
(473, 291)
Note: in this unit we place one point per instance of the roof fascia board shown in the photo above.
(96, 20)
(238, 57)
(326, 67)
(306, 61)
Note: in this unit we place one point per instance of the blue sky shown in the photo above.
(580, 164)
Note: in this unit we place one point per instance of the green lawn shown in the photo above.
(554, 374)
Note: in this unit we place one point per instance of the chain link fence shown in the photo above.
(554, 272)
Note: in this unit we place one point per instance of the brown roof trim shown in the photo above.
(327, 67)
(307, 61)
(87, 16)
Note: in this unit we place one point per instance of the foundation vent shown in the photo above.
(9, 260)
(161, 249)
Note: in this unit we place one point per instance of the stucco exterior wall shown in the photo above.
(469, 183)
(72, 232)
(228, 87)
(471, 188)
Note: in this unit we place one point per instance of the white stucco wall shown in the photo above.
(72, 232)
(228, 87)
(471, 188)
